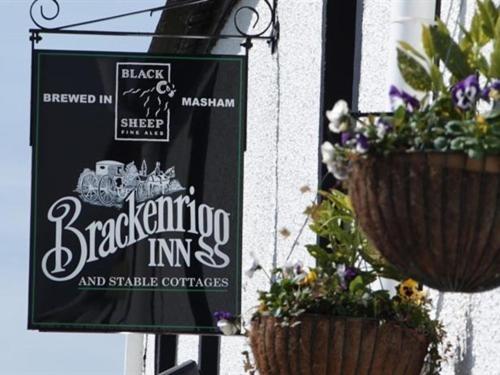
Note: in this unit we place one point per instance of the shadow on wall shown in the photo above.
(464, 356)
(357, 54)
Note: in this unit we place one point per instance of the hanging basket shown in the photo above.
(322, 345)
(435, 216)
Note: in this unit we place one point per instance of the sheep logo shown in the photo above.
(144, 92)
(155, 99)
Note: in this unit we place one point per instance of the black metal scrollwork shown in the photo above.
(269, 31)
(40, 4)
(272, 25)
(172, 4)
(254, 11)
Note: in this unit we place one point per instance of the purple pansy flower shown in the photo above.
(292, 269)
(492, 90)
(400, 98)
(465, 93)
(350, 273)
(383, 127)
(226, 322)
(346, 274)
(223, 315)
(485, 93)
(362, 145)
(345, 137)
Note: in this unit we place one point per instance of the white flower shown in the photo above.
(382, 128)
(227, 328)
(341, 269)
(360, 127)
(338, 167)
(381, 131)
(339, 117)
(291, 269)
(340, 170)
(254, 267)
(327, 152)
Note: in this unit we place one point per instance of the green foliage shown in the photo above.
(333, 220)
(488, 14)
(437, 79)
(477, 33)
(449, 52)
(413, 72)
(495, 60)
(428, 43)
(449, 97)
(342, 282)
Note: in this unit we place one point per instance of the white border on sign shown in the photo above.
(167, 139)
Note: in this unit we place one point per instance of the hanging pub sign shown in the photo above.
(137, 191)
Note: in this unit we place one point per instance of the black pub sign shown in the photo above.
(136, 191)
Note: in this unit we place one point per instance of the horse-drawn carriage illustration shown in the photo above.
(112, 182)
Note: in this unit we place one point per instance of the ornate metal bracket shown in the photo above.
(46, 11)
(272, 28)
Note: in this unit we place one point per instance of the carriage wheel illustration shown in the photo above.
(106, 190)
(89, 188)
(142, 192)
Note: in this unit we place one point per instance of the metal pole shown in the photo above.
(209, 355)
(145, 34)
(133, 354)
(165, 352)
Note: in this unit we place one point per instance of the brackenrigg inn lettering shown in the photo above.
(138, 222)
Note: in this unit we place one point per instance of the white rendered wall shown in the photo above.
(472, 321)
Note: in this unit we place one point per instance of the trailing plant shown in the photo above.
(456, 101)
(347, 281)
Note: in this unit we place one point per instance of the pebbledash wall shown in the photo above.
(282, 156)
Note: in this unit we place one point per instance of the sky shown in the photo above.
(24, 352)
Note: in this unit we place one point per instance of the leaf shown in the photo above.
(497, 29)
(356, 284)
(483, 66)
(441, 143)
(413, 72)
(488, 18)
(454, 127)
(492, 10)
(458, 144)
(437, 79)
(427, 42)
(495, 60)
(476, 31)
(409, 48)
(448, 51)
(493, 115)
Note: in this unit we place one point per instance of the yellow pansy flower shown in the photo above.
(310, 278)
(409, 290)
(482, 124)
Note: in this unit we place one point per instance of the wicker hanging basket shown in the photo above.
(322, 345)
(435, 216)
